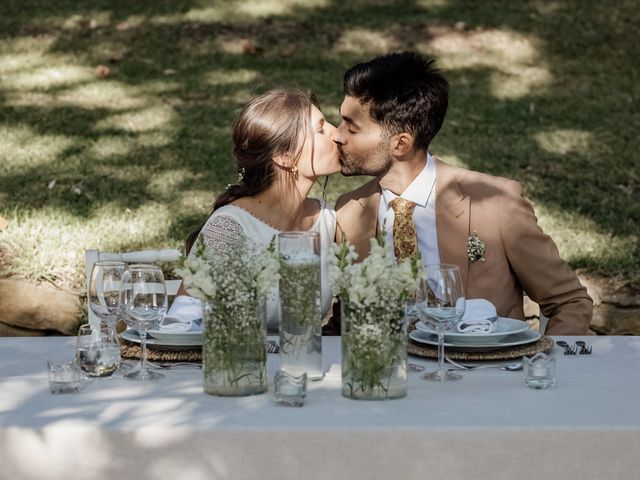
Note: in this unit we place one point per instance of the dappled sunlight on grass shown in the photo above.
(249, 9)
(47, 77)
(363, 41)
(228, 77)
(195, 201)
(23, 146)
(579, 237)
(141, 120)
(514, 60)
(170, 181)
(563, 141)
(432, 3)
(50, 243)
(109, 95)
(108, 146)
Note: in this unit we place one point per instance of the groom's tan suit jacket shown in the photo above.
(518, 256)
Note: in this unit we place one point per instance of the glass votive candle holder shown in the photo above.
(539, 371)
(64, 378)
(290, 390)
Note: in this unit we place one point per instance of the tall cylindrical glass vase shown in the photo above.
(234, 353)
(300, 320)
(374, 354)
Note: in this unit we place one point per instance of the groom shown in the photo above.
(393, 108)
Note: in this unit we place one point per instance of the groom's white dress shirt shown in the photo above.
(422, 192)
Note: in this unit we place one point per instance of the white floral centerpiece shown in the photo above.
(373, 295)
(233, 285)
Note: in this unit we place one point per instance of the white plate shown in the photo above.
(179, 337)
(132, 336)
(504, 328)
(522, 338)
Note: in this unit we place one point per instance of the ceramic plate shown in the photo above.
(176, 337)
(189, 344)
(512, 340)
(504, 328)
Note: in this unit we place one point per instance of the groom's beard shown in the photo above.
(375, 162)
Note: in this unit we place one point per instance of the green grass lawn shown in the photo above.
(543, 92)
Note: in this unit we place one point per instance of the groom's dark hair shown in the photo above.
(404, 92)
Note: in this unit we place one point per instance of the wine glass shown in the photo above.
(440, 303)
(143, 304)
(104, 291)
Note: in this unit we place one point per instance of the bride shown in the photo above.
(281, 145)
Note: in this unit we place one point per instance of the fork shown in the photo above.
(584, 348)
(568, 349)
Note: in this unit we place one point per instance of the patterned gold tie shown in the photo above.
(405, 241)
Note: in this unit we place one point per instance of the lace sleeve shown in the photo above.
(224, 232)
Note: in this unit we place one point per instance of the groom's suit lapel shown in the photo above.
(452, 219)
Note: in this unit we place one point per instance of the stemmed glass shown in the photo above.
(104, 291)
(440, 303)
(143, 304)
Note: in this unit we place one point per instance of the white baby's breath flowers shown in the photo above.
(373, 295)
(234, 284)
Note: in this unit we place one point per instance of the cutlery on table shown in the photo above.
(414, 367)
(584, 348)
(510, 367)
(568, 349)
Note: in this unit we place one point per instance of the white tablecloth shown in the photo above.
(488, 425)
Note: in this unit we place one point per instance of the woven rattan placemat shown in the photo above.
(132, 350)
(543, 344)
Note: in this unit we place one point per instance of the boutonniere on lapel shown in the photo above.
(475, 248)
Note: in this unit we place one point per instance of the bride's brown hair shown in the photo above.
(274, 123)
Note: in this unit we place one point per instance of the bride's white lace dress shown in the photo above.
(231, 227)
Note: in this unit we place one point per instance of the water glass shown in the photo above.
(289, 390)
(539, 371)
(97, 350)
(143, 304)
(65, 377)
(301, 317)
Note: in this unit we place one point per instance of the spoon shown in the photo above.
(509, 367)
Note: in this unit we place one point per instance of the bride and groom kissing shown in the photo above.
(393, 107)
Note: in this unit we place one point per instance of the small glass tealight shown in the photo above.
(290, 390)
(540, 371)
(64, 378)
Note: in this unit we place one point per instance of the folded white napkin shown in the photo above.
(185, 315)
(479, 317)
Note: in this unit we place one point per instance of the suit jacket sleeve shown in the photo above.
(536, 262)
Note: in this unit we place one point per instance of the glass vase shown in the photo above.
(234, 353)
(374, 354)
(300, 314)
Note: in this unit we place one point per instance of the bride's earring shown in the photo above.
(294, 172)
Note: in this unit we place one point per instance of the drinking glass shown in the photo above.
(440, 304)
(143, 304)
(97, 350)
(104, 290)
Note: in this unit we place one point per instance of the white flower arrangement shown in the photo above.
(234, 284)
(373, 295)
